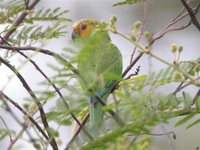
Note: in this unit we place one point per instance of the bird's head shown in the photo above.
(83, 29)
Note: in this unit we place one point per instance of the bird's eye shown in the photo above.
(83, 27)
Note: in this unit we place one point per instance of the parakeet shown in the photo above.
(99, 63)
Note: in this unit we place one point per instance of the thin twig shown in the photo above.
(168, 28)
(59, 93)
(161, 134)
(26, 2)
(150, 53)
(133, 74)
(37, 102)
(187, 25)
(9, 133)
(2, 95)
(131, 65)
(175, 67)
(145, 12)
(26, 124)
(191, 14)
(196, 97)
(54, 86)
(18, 120)
(85, 119)
(181, 86)
(18, 21)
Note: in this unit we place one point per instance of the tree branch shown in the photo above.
(87, 116)
(196, 97)
(18, 21)
(54, 86)
(37, 102)
(26, 124)
(31, 139)
(191, 14)
(59, 93)
(9, 133)
(146, 6)
(168, 28)
(2, 95)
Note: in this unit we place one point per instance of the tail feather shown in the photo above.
(96, 116)
(96, 109)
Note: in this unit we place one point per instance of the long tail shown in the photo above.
(96, 116)
(96, 109)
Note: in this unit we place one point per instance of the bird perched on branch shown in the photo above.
(99, 63)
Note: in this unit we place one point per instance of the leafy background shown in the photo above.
(159, 14)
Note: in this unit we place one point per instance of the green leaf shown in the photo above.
(39, 12)
(109, 107)
(48, 15)
(59, 117)
(5, 132)
(53, 115)
(110, 137)
(127, 2)
(192, 124)
(185, 119)
(54, 132)
(187, 100)
(197, 104)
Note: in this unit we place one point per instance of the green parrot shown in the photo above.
(99, 63)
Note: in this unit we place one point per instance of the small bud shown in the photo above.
(192, 73)
(197, 68)
(147, 35)
(56, 133)
(37, 146)
(174, 48)
(24, 117)
(133, 37)
(103, 24)
(136, 25)
(3, 17)
(178, 75)
(180, 49)
(59, 142)
(114, 18)
(112, 24)
(174, 62)
(26, 105)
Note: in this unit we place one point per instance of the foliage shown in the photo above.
(5, 133)
(125, 2)
(136, 105)
(33, 30)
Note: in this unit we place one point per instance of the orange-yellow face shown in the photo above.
(83, 28)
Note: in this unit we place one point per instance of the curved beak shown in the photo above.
(74, 35)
